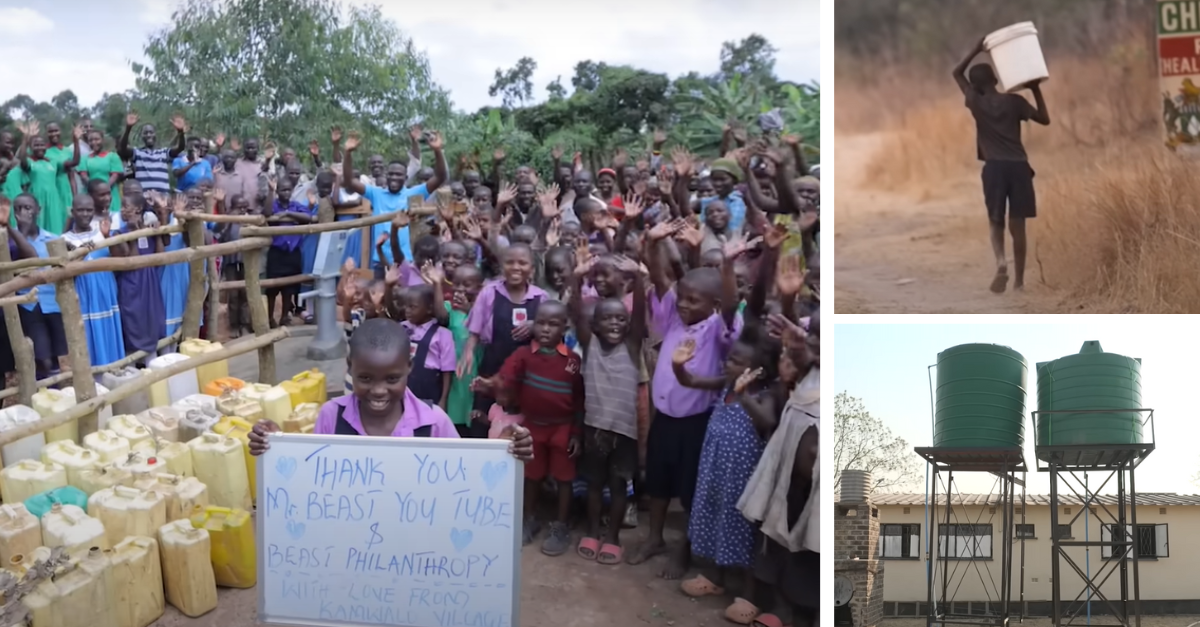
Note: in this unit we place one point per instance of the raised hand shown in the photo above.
(642, 165)
(682, 160)
(5, 210)
(792, 334)
(739, 134)
(790, 279)
(433, 273)
(660, 137)
(446, 212)
(218, 194)
(554, 232)
(401, 220)
(498, 155)
(690, 235)
(335, 134)
(634, 204)
(219, 140)
(745, 379)
(349, 266)
(548, 199)
(77, 132)
(393, 275)
(131, 118)
(352, 141)
(436, 141)
(415, 132)
(738, 245)
(684, 352)
(179, 123)
(628, 265)
(235, 144)
(506, 195)
(269, 152)
(665, 229)
(638, 187)
(775, 235)
(31, 129)
(472, 230)
(105, 227)
(620, 159)
(791, 140)
(383, 239)
(556, 153)
(584, 261)
(314, 148)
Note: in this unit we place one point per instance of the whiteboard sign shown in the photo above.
(419, 532)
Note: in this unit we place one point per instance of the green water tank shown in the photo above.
(1091, 380)
(980, 397)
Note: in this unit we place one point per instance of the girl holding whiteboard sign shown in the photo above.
(381, 404)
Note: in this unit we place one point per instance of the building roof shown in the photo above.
(1157, 499)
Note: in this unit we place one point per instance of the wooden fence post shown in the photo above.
(253, 261)
(214, 299)
(22, 347)
(194, 306)
(77, 346)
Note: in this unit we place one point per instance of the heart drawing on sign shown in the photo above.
(286, 467)
(492, 473)
(295, 529)
(460, 538)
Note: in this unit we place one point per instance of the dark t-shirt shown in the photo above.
(998, 120)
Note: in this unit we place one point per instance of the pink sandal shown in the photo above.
(610, 554)
(741, 611)
(767, 620)
(700, 586)
(586, 546)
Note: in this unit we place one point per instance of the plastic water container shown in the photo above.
(21, 564)
(137, 572)
(127, 511)
(96, 479)
(244, 408)
(104, 415)
(295, 392)
(240, 429)
(163, 422)
(220, 464)
(183, 494)
(48, 402)
(195, 423)
(20, 532)
(234, 554)
(130, 428)
(41, 504)
(304, 414)
(140, 465)
(208, 373)
(202, 402)
(277, 404)
(29, 447)
(175, 456)
(1016, 55)
(80, 595)
(29, 477)
(220, 386)
(312, 384)
(107, 444)
(174, 388)
(135, 403)
(254, 391)
(187, 568)
(72, 457)
(68, 526)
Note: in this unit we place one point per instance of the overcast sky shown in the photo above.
(886, 367)
(86, 45)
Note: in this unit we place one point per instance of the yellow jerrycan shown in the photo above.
(210, 372)
(137, 575)
(20, 532)
(234, 554)
(30, 477)
(220, 464)
(127, 511)
(187, 568)
(69, 527)
(183, 494)
(109, 446)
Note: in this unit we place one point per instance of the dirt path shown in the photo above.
(900, 254)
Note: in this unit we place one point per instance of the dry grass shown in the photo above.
(1119, 215)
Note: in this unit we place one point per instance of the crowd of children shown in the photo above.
(651, 332)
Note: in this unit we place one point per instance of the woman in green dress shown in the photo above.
(56, 151)
(103, 165)
(43, 179)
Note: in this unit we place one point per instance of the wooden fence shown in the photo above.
(61, 267)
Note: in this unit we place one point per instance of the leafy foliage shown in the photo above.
(516, 84)
(863, 442)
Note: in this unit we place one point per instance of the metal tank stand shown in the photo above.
(969, 555)
(1120, 536)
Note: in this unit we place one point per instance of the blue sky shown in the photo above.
(886, 367)
(86, 45)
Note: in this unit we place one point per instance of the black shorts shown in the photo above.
(673, 450)
(607, 456)
(284, 263)
(46, 331)
(1008, 185)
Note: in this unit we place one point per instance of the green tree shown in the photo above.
(863, 442)
(752, 57)
(555, 89)
(516, 84)
(289, 69)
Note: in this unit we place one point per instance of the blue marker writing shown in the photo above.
(431, 472)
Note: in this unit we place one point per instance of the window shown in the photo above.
(1064, 532)
(1152, 542)
(1025, 531)
(900, 541)
(965, 542)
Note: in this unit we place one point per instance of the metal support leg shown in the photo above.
(330, 342)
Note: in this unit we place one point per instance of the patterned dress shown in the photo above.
(732, 447)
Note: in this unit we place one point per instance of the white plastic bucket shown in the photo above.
(1017, 56)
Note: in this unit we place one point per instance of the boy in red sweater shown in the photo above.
(543, 381)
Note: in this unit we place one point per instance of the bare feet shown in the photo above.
(645, 551)
(678, 563)
(1000, 281)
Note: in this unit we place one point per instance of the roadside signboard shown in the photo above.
(1179, 73)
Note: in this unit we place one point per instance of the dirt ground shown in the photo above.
(1147, 621)
(902, 254)
(556, 591)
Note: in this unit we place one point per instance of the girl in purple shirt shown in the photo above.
(382, 404)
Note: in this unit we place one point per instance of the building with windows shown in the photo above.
(1165, 562)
